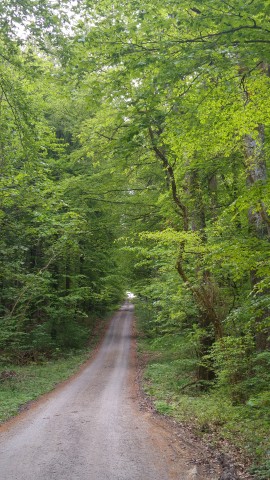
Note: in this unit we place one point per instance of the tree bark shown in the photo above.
(259, 221)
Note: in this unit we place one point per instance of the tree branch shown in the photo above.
(161, 156)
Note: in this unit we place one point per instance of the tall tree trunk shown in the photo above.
(203, 294)
(259, 221)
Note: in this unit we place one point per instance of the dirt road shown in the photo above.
(91, 428)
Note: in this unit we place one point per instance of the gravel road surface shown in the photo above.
(92, 428)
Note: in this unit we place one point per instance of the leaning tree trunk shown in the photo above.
(193, 218)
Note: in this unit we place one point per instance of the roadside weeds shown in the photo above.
(210, 450)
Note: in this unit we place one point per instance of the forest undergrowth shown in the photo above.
(135, 154)
(240, 430)
(22, 384)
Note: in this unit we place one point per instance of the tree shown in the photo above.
(185, 90)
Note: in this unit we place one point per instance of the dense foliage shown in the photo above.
(137, 137)
(58, 262)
